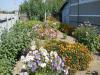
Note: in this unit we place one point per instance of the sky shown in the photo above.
(10, 5)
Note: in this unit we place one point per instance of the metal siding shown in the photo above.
(73, 1)
(90, 8)
(73, 20)
(74, 10)
(89, 11)
(65, 14)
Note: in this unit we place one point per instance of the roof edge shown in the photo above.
(64, 5)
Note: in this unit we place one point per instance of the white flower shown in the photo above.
(53, 54)
(29, 58)
(51, 60)
(30, 52)
(43, 51)
(55, 23)
(42, 65)
(22, 58)
(66, 71)
(24, 66)
(33, 42)
(33, 47)
(23, 73)
(35, 52)
(58, 68)
(46, 59)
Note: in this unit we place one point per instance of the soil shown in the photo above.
(69, 39)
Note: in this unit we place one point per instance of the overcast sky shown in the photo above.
(10, 5)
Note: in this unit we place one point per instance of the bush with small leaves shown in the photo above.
(98, 44)
(12, 44)
(87, 34)
(65, 28)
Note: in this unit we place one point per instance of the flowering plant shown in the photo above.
(77, 56)
(86, 33)
(45, 31)
(43, 62)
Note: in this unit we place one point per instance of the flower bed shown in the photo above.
(44, 32)
(44, 63)
(77, 55)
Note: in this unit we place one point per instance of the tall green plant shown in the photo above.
(12, 44)
(35, 9)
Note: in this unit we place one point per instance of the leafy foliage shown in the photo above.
(12, 44)
(5, 68)
(87, 34)
(66, 29)
(98, 43)
(53, 22)
(35, 9)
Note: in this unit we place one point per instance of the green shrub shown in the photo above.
(98, 43)
(77, 56)
(12, 44)
(53, 22)
(87, 34)
(5, 67)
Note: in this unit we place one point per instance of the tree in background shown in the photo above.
(35, 9)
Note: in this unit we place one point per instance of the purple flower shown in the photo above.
(59, 68)
(62, 64)
(38, 61)
(57, 63)
(34, 67)
(54, 65)
(58, 58)
(37, 56)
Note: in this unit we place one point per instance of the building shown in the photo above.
(78, 11)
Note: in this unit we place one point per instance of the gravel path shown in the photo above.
(68, 39)
(17, 67)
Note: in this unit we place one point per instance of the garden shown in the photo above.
(41, 51)
(38, 47)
